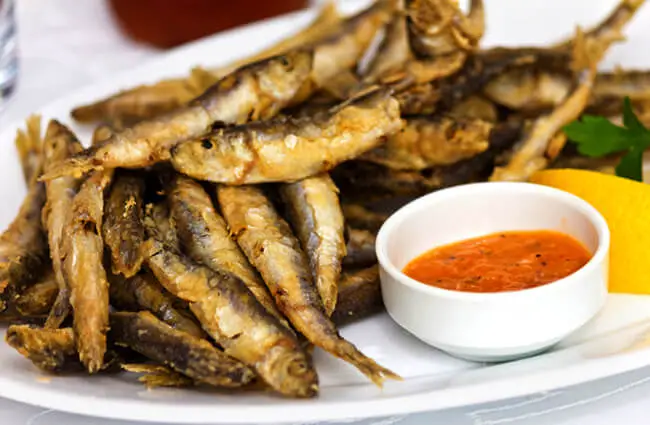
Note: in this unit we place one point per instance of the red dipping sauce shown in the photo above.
(506, 261)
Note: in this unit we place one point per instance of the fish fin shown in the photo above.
(76, 166)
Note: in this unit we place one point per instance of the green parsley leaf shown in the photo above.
(630, 119)
(631, 165)
(597, 136)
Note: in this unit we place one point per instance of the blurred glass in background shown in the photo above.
(8, 49)
(168, 23)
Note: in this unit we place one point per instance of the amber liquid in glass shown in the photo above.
(168, 23)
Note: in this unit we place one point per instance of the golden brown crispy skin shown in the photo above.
(144, 292)
(206, 239)
(316, 216)
(84, 270)
(123, 228)
(52, 350)
(289, 149)
(430, 142)
(234, 318)
(39, 298)
(359, 295)
(267, 241)
(23, 245)
(60, 143)
(193, 357)
(360, 249)
(256, 91)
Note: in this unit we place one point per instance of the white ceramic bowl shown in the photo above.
(492, 326)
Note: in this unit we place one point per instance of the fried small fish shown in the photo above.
(364, 181)
(23, 245)
(38, 298)
(206, 239)
(316, 216)
(83, 249)
(538, 89)
(432, 141)
(270, 246)
(147, 101)
(234, 318)
(256, 91)
(342, 50)
(545, 139)
(52, 350)
(289, 149)
(123, 228)
(359, 295)
(480, 68)
(193, 357)
(360, 249)
(142, 291)
(59, 144)
(360, 217)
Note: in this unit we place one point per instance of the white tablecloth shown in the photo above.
(65, 44)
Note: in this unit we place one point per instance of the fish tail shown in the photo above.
(30, 140)
(92, 356)
(375, 372)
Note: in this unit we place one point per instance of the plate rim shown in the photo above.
(426, 401)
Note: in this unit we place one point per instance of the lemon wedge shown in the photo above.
(625, 204)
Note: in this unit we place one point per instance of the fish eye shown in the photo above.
(206, 143)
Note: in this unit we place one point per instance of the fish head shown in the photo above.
(291, 372)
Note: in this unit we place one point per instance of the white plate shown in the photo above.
(617, 341)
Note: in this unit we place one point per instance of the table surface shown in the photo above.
(65, 44)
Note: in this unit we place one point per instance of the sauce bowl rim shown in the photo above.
(573, 201)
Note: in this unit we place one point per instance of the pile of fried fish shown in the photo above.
(221, 225)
